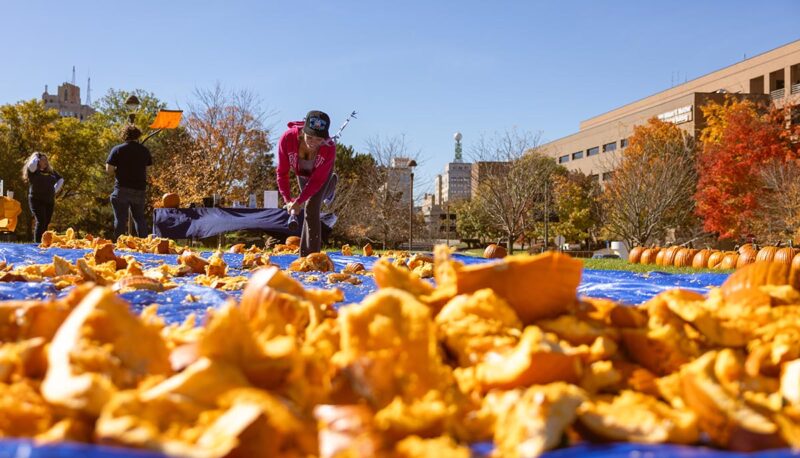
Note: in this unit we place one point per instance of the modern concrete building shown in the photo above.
(436, 218)
(594, 149)
(485, 170)
(399, 177)
(455, 182)
(67, 101)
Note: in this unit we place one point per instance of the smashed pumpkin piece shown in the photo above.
(229, 337)
(790, 382)
(427, 416)
(388, 343)
(440, 447)
(23, 411)
(471, 325)
(727, 419)
(536, 422)
(536, 359)
(388, 275)
(100, 348)
(577, 331)
(637, 417)
(193, 261)
(314, 262)
(342, 277)
(242, 422)
(216, 266)
(347, 430)
(276, 304)
(709, 320)
(24, 359)
(21, 320)
(536, 287)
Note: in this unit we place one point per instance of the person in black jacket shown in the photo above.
(128, 163)
(44, 184)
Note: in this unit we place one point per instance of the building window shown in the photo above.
(595, 178)
(608, 147)
(607, 176)
(623, 143)
(593, 151)
(577, 155)
(563, 159)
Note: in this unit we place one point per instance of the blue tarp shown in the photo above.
(201, 222)
(627, 287)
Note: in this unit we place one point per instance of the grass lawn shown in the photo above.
(623, 264)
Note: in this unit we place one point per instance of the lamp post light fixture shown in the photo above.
(132, 103)
(411, 164)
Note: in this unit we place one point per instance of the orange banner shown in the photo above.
(167, 119)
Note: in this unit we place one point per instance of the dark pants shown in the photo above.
(42, 212)
(122, 200)
(311, 235)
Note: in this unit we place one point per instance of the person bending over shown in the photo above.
(307, 150)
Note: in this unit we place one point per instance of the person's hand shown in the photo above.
(292, 207)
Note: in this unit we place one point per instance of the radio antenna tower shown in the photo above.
(89, 91)
(73, 75)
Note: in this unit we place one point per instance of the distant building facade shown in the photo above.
(68, 102)
(398, 178)
(594, 149)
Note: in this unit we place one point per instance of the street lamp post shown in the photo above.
(132, 103)
(411, 166)
(546, 217)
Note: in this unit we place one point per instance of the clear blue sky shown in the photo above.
(422, 69)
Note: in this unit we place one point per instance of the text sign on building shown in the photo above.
(678, 115)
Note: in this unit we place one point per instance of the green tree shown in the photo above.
(573, 196)
(79, 156)
(472, 222)
(355, 171)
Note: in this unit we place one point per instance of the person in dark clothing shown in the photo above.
(44, 184)
(128, 164)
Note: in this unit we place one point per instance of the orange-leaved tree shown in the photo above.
(652, 186)
(740, 142)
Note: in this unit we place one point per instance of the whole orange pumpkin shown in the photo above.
(746, 248)
(729, 261)
(684, 257)
(649, 255)
(767, 253)
(715, 259)
(700, 260)
(494, 251)
(758, 274)
(635, 255)
(669, 255)
(785, 255)
(170, 200)
(746, 257)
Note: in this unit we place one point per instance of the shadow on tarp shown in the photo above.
(627, 287)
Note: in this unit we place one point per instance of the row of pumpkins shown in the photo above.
(713, 259)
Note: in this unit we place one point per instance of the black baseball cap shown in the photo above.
(317, 124)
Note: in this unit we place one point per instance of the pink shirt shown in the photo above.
(288, 149)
